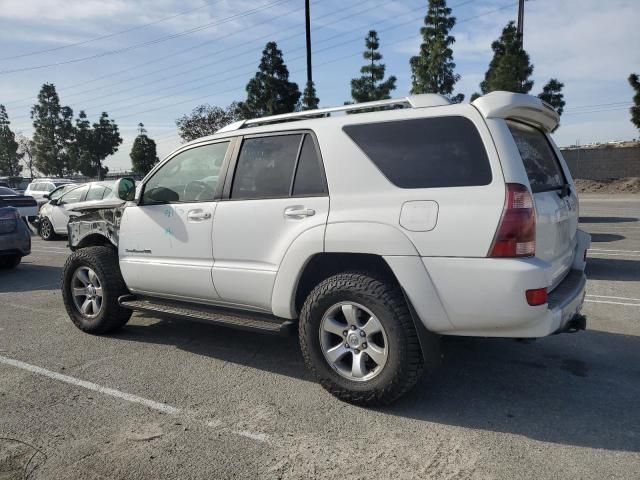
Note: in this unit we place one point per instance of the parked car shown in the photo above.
(15, 237)
(374, 232)
(54, 215)
(26, 205)
(40, 187)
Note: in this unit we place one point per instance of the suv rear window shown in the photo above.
(540, 161)
(425, 152)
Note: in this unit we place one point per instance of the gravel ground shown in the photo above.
(194, 401)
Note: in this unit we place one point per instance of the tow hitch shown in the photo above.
(577, 323)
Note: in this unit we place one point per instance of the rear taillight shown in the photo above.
(516, 234)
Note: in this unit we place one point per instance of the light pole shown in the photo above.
(521, 22)
(307, 16)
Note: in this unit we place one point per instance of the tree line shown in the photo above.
(63, 146)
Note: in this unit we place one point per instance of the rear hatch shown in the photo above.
(555, 201)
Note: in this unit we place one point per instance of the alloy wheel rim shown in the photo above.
(86, 290)
(46, 227)
(353, 341)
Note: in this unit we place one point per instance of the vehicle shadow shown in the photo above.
(613, 269)
(572, 390)
(29, 277)
(606, 237)
(607, 219)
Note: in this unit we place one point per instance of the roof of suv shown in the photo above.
(493, 105)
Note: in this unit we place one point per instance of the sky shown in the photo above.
(153, 61)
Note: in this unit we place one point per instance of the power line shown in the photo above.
(235, 89)
(250, 64)
(110, 35)
(147, 43)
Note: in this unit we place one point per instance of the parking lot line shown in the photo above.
(612, 250)
(161, 407)
(613, 303)
(615, 298)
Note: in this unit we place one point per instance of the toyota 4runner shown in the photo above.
(372, 233)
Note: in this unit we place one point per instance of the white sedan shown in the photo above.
(54, 215)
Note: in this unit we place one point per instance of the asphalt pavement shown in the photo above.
(176, 399)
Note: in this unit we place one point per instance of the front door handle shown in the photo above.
(298, 212)
(198, 215)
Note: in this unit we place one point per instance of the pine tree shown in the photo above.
(509, 69)
(309, 99)
(634, 81)
(9, 155)
(94, 143)
(552, 94)
(143, 153)
(205, 120)
(53, 138)
(433, 68)
(270, 92)
(370, 86)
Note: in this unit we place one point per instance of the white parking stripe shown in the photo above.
(161, 407)
(615, 298)
(611, 250)
(613, 303)
(606, 254)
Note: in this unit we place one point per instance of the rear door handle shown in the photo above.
(198, 215)
(299, 211)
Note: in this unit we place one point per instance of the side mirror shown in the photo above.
(126, 189)
(54, 202)
(46, 195)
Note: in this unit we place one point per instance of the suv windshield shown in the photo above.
(539, 159)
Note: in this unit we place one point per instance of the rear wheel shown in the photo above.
(357, 336)
(46, 229)
(10, 261)
(91, 285)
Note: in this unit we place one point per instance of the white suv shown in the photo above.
(373, 232)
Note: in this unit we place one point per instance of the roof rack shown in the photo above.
(411, 101)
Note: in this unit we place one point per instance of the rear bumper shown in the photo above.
(486, 296)
(17, 242)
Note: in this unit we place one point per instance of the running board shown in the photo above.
(219, 316)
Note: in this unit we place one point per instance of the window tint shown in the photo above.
(190, 176)
(539, 159)
(6, 191)
(96, 192)
(309, 174)
(74, 196)
(265, 167)
(426, 152)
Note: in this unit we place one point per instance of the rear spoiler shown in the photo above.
(518, 106)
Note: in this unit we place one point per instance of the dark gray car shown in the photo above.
(15, 237)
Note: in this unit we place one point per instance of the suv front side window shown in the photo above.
(190, 176)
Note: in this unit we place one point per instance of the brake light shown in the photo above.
(516, 234)
(537, 296)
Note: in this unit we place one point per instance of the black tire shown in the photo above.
(104, 262)
(404, 364)
(10, 261)
(45, 230)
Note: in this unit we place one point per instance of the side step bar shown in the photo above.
(219, 316)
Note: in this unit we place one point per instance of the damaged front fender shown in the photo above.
(98, 224)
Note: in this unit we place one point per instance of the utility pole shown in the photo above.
(307, 16)
(521, 22)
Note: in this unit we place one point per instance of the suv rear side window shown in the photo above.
(425, 152)
(309, 173)
(265, 167)
(540, 161)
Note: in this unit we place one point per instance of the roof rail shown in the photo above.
(412, 101)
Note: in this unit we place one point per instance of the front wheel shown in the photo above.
(46, 229)
(91, 285)
(357, 336)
